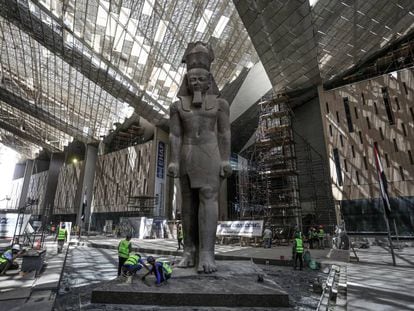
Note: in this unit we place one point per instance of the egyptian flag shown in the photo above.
(382, 182)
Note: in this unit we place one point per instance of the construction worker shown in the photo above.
(180, 236)
(297, 251)
(61, 237)
(312, 237)
(162, 271)
(133, 264)
(267, 238)
(124, 249)
(321, 235)
(8, 257)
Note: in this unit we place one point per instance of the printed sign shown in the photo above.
(161, 160)
(248, 228)
(9, 225)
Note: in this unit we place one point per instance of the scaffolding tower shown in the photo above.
(270, 190)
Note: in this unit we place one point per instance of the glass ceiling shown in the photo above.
(79, 66)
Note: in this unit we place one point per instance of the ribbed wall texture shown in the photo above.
(120, 175)
(15, 193)
(36, 191)
(66, 189)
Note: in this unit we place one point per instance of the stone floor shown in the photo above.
(86, 267)
(30, 291)
(373, 283)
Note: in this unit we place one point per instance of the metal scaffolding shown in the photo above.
(269, 188)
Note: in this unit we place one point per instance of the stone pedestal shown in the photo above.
(234, 285)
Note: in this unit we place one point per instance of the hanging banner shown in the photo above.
(9, 225)
(247, 228)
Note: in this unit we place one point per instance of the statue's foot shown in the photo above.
(207, 263)
(188, 260)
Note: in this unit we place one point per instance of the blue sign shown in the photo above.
(161, 160)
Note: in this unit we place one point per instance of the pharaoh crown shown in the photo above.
(198, 55)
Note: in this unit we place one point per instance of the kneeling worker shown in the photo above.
(8, 257)
(133, 264)
(162, 271)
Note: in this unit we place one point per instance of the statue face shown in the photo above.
(198, 80)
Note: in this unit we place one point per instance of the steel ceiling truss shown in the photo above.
(81, 62)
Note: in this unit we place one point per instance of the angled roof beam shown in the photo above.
(51, 37)
(37, 112)
(395, 56)
(28, 137)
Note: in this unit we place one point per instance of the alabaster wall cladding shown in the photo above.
(68, 182)
(36, 191)
(357, 116)
(120, 175)
(15, 193)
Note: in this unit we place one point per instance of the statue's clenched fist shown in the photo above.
(173, 170)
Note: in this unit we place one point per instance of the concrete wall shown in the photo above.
(371, 124)
(315, 199)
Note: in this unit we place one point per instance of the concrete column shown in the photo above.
(27, 174)
(56, 162)
(85, 188)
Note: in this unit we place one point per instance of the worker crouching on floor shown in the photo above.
(133, 264)
(162, 271)
(297, 252)
(8, 257)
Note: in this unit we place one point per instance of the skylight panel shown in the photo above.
(148, 7)
(97, 43)
(119, 39)
(204, 21)
(112, 25)
(313, 2)
(161, 30)
(140, 50)
(220, 26)
(124, 15)
(143, 57)
(131, 28)
(102, 13)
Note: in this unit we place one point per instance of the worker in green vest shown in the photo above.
(133, 264)
(297, 251)
(321, 236)
(162, 271)
(124, 249)
(8, 257)
(61, 236)
(180, 236)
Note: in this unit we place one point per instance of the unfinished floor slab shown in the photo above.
(234, 285)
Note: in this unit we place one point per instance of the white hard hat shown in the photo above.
(16, 247)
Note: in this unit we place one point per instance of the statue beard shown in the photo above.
(197, 98)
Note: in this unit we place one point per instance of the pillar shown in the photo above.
(85, 188)
(56, 162)
(26, 180)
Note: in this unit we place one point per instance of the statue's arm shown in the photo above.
(175, 140)
(224, 137)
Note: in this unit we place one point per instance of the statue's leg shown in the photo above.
(207, 220)
(189, 220)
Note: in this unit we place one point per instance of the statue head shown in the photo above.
(198, 80)
(198, 58)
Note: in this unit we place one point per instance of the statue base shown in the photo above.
(235, 284)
